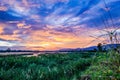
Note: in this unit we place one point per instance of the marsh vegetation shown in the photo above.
(71, 66)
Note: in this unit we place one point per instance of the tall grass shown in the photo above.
(44, 67)
(73, 66)
(105, 67)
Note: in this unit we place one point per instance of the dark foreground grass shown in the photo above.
(44, 67)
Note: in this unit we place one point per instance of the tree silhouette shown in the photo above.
(99, 46)
(8, 50)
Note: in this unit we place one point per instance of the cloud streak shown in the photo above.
(54, 24)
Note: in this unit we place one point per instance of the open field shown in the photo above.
(72, 66)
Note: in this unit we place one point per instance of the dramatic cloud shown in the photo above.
(56, 24)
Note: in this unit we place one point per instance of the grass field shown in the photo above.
(72, 66)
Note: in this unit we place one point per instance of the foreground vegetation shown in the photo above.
(105, 66)
(44, 67)
(73, 66)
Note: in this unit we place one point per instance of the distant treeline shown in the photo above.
(72, 50)
(9, 50)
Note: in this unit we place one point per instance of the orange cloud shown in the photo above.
(50, 39)
(2, 8)
(25, 2)
(1, 30)
(23, 25)
(10, 37)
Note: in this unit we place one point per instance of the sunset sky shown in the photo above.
(56, 24)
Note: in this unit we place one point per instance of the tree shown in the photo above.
(99, 46)
(8, 50)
